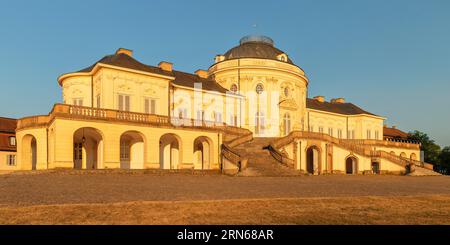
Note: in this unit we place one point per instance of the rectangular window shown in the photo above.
(182, 113)
(321, 130)
(351, 134)
(217, 117)
(311, 128)
(150, 106)
(330, 131)
(377, 134)
(340, 133)
(200, 115)
(369, 136)
(153, 106)
(11, 160)
(78, 102)
(12, 141)
(124, 102)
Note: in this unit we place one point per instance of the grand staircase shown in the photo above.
(260, 162)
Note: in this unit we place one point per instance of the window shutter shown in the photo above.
(127, 103)
(120, 102)
(153, 106)
(146, 106)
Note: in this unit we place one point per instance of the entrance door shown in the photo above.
(349, 166)
(375, 168)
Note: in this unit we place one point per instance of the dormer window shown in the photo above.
(259, 88)
(234, 88)
(12, 141)
(282, 57)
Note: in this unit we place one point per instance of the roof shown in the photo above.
(339, 108)
(125, 61)
(394, 133)
(8, 125)
(7, 129)
(255, 49)
(4, 142)
(181, 78)
(189, 80)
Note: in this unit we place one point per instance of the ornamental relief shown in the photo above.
(75, 82)
(77, 93)
(124, 87)
(289, 104)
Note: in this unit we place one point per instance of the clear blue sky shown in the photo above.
(389, 57)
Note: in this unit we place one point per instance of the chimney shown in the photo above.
(202, 73)
(338, 100)
(165, 66)
(394, 127)
(319, 98)
(128, 52)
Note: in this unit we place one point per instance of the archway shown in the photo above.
(169, 151)
(287, 124)
(87, 148)
(202, 152)
(132, 150)
(351, 165)
(375, 167)
(313, 160)
(29, 152)
(403, 155)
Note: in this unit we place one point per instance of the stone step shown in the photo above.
(260, 161)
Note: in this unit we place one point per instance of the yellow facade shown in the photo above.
(120, 113)
(4, 161)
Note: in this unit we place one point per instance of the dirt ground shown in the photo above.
(139, 197)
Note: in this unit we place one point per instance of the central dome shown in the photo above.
(260, 47)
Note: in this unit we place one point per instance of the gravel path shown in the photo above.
(60, 187)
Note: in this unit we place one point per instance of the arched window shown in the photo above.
(287, 123)
(233, 88)
(259, 88)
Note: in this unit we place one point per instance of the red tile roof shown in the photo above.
(394, 133)
(4, 142)
(181, 78)
(8, 125)
(340, 108)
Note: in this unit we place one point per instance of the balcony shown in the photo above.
(98, 114)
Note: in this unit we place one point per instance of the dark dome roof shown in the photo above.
(255, 47)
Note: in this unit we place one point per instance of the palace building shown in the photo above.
(249, 113)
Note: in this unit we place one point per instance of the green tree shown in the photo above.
(444, 159)
(430, 149)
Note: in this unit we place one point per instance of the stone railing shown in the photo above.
(279, 157)
(34, 121)
(90, 113)
(407, 144)
(233, 156)
(360, 147)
